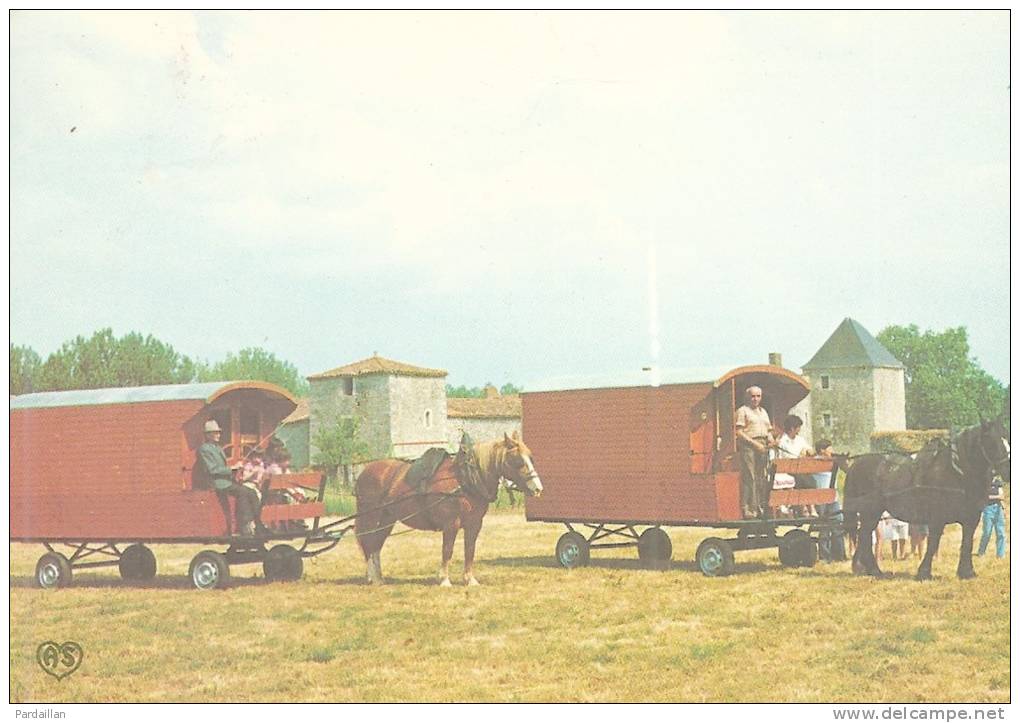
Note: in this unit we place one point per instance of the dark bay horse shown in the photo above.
(946, 483)
(447, 503)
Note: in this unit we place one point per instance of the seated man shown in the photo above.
(221, 477)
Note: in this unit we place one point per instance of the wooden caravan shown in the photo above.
(624, 453)
(102, 467)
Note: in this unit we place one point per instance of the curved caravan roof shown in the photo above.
(716, 376)
(208, 392)
(768, 369)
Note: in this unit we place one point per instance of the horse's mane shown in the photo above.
(490, 456)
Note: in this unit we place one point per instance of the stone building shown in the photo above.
(402, 408)
(857, 388)
(485, 418)
(293, 432)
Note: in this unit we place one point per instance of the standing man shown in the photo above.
(221, 477)
(754, 437)
(993, 518)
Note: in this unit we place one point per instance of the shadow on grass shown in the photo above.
(621, 564)
(167, 582)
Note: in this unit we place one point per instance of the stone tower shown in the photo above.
(857, 388)
(402, 408)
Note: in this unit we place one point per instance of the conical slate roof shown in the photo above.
(851, 345)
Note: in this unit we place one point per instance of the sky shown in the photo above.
(510, 196)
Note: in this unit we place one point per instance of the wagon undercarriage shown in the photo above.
(798, 547)
(282, 557)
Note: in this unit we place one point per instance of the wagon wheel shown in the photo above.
(715, 557)
(654, 547)
(572, 550)
(209, 571)
(798, 549)
(52, 571)
(137, 563)
(283, 562)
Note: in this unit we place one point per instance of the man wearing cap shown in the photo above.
(754, 437)
(221, 477)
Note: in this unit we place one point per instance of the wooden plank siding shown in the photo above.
(617, 455)
(645, 454)
(107, 472)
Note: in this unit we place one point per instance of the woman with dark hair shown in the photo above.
(791, 446)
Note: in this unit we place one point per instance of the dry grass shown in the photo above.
(531, 632)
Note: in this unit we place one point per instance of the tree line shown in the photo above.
(479, 392)
(945, 386)
(104, 360)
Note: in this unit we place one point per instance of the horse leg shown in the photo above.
(449, 538)
(471, 531)
(934, 537)
(965, 567)
(864, 558)
(371, 547)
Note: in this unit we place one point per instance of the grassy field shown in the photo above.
(531, 632)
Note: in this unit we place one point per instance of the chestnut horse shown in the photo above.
(446, 503)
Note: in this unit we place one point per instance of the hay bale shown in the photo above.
(908, 441)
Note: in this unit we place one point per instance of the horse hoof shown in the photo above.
(471, 582)
(969, 575)
(922, 577)
(446, 583)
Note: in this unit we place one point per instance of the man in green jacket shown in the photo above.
(221, 477)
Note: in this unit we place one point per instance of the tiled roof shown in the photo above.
(300, 413)
(851, 345)
(379, 365)
(475, 408)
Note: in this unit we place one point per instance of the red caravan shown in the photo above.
(115, 465)
(622, 453)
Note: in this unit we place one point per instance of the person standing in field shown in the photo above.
(754, 437)
(994, 518)
(831, 546)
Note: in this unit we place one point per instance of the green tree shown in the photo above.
(479, 392)
(463, 392)
(256, 364)
(945, 387)
(25, 367)
(103, 360)
(338, 445)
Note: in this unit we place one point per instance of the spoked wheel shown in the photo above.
(572, 550)
(52, 571)
(137, 563)
(283, 562)
(715, 557)
(209, 571)
(654, 547)
(798, 549)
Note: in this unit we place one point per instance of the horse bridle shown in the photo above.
(522, 485)
(993, 464)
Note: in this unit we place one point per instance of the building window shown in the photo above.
(348, 386)
(825, 381)
(428, 419)
(826, 420)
